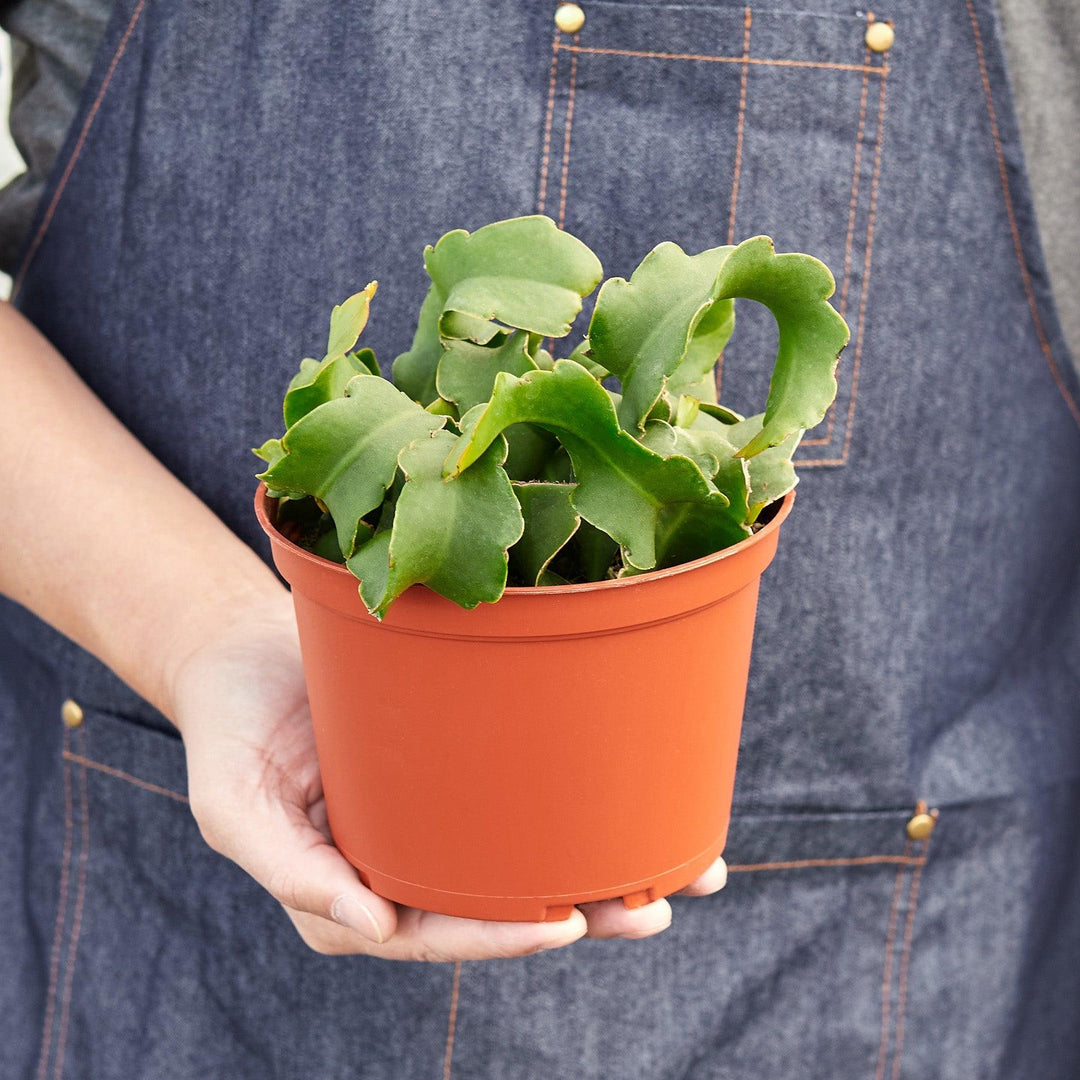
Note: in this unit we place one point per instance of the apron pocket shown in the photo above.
(708, 124)
(170, 962)
(798, 968)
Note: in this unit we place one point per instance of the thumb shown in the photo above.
(280, 847)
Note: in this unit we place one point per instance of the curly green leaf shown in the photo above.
(371, 564)
(414, 371)
(630, 492)
(449, 534)
(714, 453)
(348, 320)
(694, 375)
(641, 329)
(796, 289)
(318, 382)
(345, 451)
(550, 521)
(467, 371)
(525, 273)
(772, 472)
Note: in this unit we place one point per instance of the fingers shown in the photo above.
(713, 880)
(612, 918)
(336, 914)
(282, 849)
(426, 936)
(431, 937)
(285, 851)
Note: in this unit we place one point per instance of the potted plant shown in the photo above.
(508, 752)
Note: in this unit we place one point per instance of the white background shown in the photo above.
(10, 162)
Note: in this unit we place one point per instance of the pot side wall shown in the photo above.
(568, 760)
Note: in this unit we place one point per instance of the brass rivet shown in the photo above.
(71, 713)
(569, 18)
(921, 826)
(879, 37)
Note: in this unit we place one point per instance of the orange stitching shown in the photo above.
(876, 69)
(110, 771)
(855, 186)
(453, 1021)
(867, 262)
(742, 122)
(547, 123)
(820, 461)
(901, 1004)
(886, 978)
(566, 138)
(58, 933)
(852, 205)
(1044, 344)
(802, 864)
(718, 373)
(76, 924)
(47, 220)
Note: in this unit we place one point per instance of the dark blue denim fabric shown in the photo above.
(235, 170)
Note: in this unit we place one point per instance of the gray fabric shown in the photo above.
(1042, 42)
(53, 43)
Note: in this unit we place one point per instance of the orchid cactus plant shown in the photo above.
(486, 460)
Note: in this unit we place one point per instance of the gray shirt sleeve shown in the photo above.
(53, 43)
(1042, 44)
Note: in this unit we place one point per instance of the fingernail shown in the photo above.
(350, 912)
(575, 925)
(559, 943)
(651, 931)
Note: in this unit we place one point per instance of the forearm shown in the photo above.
(99, 539)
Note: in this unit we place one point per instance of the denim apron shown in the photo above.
(238, 168)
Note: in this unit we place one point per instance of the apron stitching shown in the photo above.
(886, 979)
(61, 912)
(718, 376)
(901, 1004)
(566, 137)
(867, 262)
(852, 208)
(546, 159)
(452, 1022)
(865, 286)
(1040, 333)
(76, 925)
(875, 68)
(807, 864)
(87, 124)
(748, 18)
(855, 181)
(120, 775)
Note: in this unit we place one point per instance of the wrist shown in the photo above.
(230, 613)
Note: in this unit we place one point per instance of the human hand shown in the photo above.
(240, 702)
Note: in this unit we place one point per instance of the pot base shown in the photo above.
(553, 908)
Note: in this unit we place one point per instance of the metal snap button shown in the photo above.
(921, 826)
(569, 18)
(879, 37)
(71, 713)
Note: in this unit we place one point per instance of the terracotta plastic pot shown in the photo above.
(563, 745)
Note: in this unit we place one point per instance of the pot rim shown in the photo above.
(270, 527)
